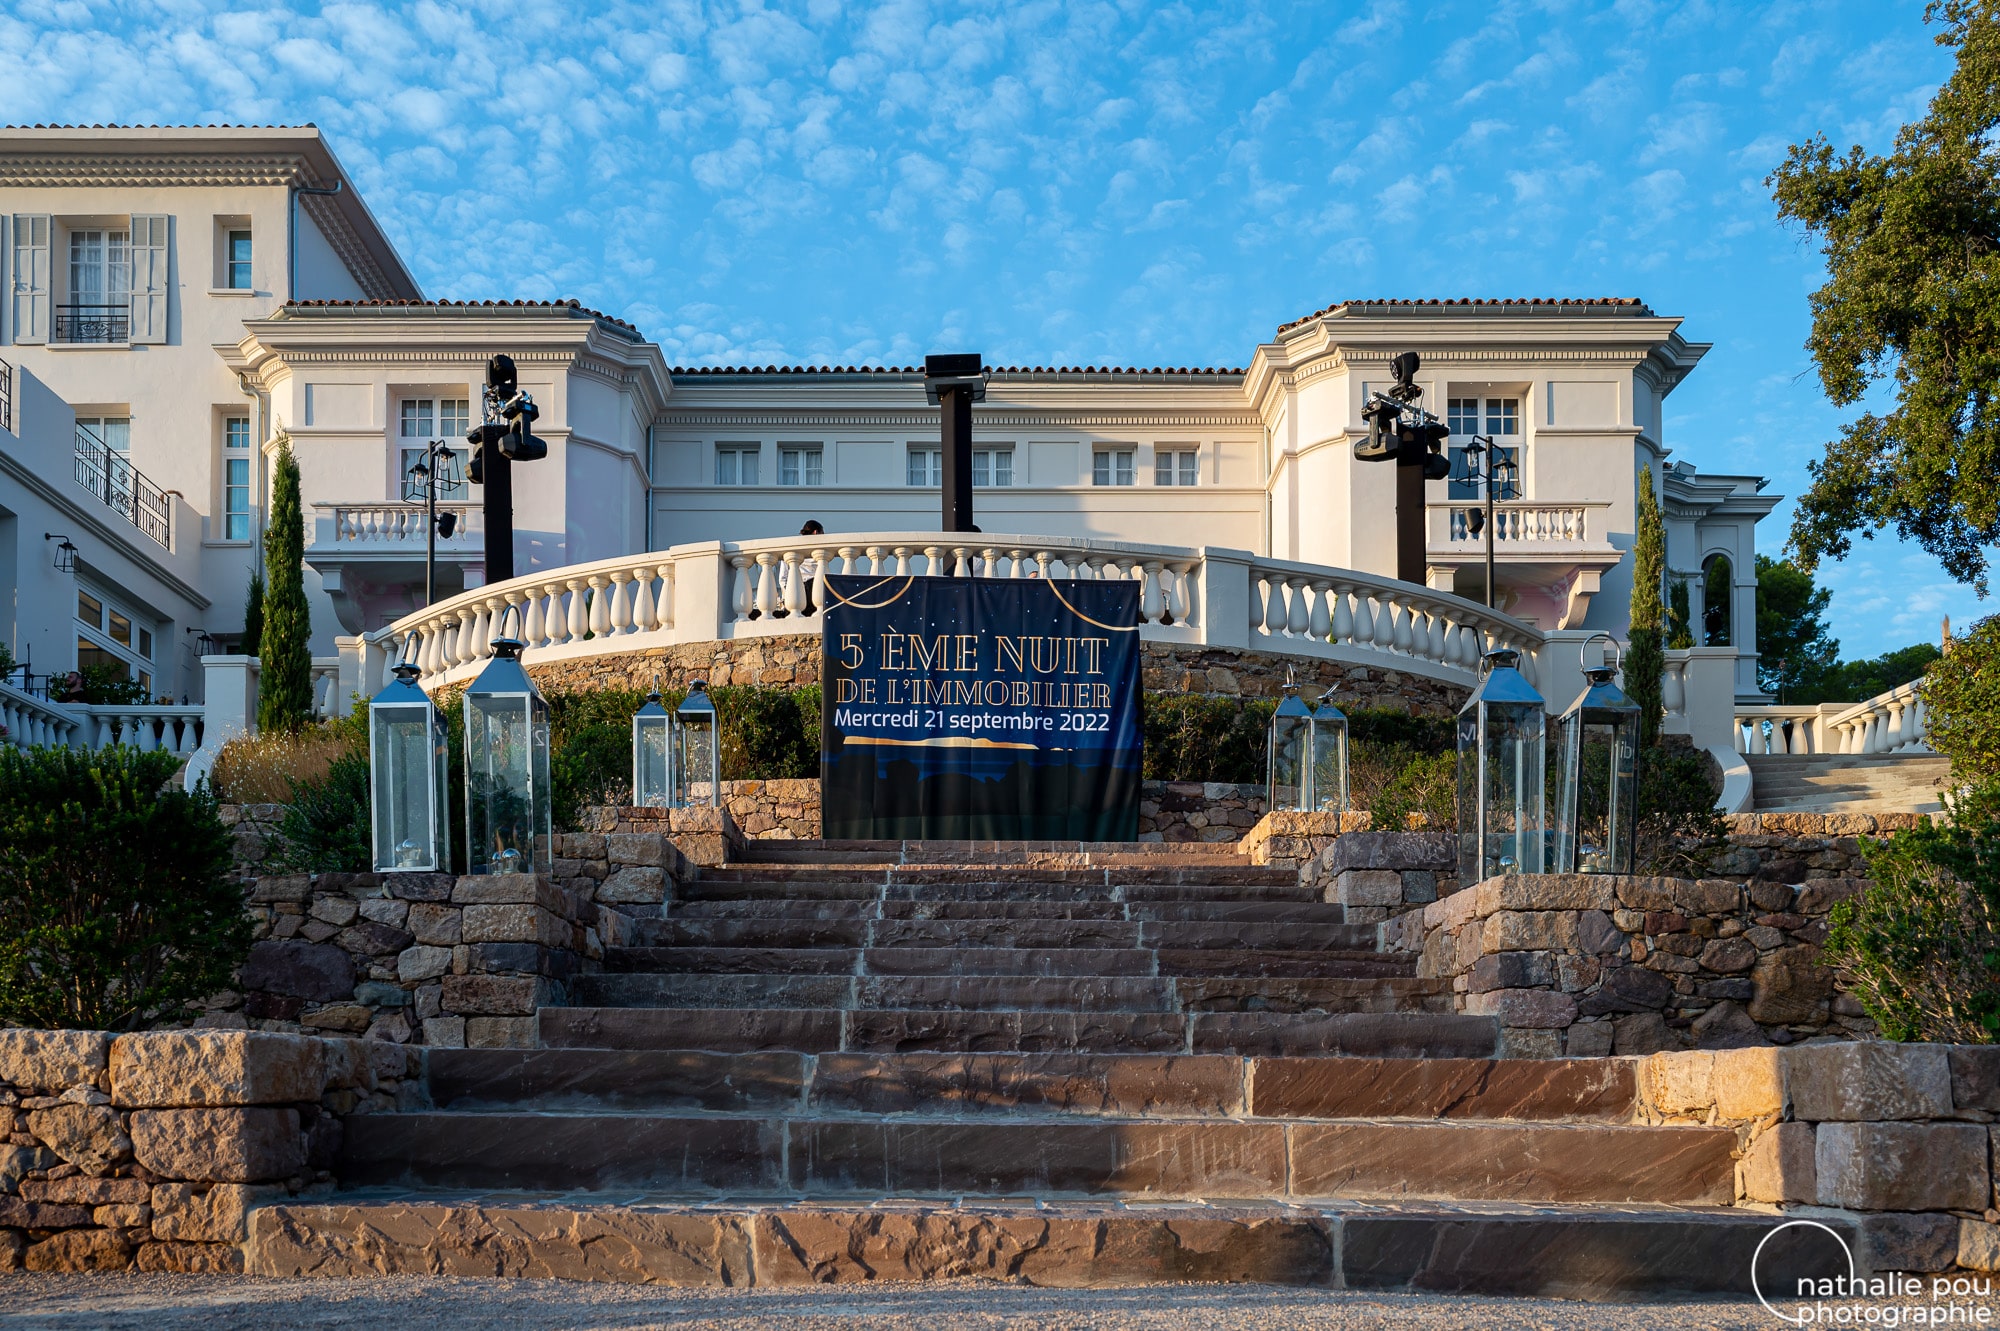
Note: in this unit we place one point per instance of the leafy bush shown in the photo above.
(1961, 693)
(1921, 946)
(1678, 823)
(1198, 737)
(116, 904)
(1403, 786)
(109, 684)
(326, 825)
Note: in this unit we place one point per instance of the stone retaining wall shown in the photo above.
(1378, 876)
(1594, 964)
(1899, 1136)
(1799, 847)
(149, 1151)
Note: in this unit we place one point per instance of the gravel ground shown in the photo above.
(411, 1303)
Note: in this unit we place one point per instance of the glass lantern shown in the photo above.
(1600, 778)
(1502, 803)
(408, 810)
(1290, 760)
(507, 790)
(652, 755)
(1327, 791)
(697, 760)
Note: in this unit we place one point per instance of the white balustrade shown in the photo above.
(1764, 731)
(1517, 521)
(395, 524)
(1891, 722)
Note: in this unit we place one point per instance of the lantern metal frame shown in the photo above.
(504, 680)
(1289, 748)
(1482, 852)
(393, 848)
(1602, 705)
(652, 768)
(695, 712)
(1326, 748)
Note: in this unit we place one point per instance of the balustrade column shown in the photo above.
(795, 586)
(664, 614)
(766, 597)
(739, 588)
(621, 603)
(878, 560)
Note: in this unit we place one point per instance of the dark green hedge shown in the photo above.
(1199, 737)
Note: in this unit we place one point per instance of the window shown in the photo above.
(113, 638)
(1175, 467)
(236, 478)
(992, 466)
(1501, 422)
(424, 420)
(90, 610)
(736, 464)
(100, 267)
(796, 466)
(238, 261)
(1111, 466)
(926, 467)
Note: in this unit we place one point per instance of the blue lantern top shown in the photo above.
(1600, 694)
(504, 675)
(697, 702)
(1503, 682)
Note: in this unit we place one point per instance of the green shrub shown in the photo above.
(1961, 692)
(1678, 825)
(1921, 946)
(103, 684)
(1395, 781)
(1198, 737)
(116, 903)
(326, 824)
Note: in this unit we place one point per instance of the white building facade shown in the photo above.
(200, 297)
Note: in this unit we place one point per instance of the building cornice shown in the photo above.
(927, 419)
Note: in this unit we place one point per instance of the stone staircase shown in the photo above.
(1108, 1066)
(1847, 783)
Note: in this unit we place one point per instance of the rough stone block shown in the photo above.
(1978, 1245)
(1511, 970)
(1645, 893)
(1709, 896)
(16, 1162)
(220, 1145)
(162, 1069)
(500, 1033)
(444, 1032)
(1899, 1242)
(419, 886)
(20, 1213)
(514, 924)
(366, 938)
(79, 1250)
(1779, 1166)
(1975, 1077)
(434, 924)
(493, 995)
(1525, 931)
(635, 848)
(1538, 1009)
(386, 910)
(82, 1190)
(1588, 1039)
(1902, 1166)
(1680, 1084)
(1728, 956)
(1748, 1083)
(1369, 887)
(218, 1259)
(87, 1136)
(415, 964)
(336, 911)
(1628, 989)
(220, 1214)
(509, 889)
(316, 972)
(1868, 1080)
(638, 885)
(295, 887)
(1727, 1026)
(1597, 934)
(351, 1018)
(1539, 892)
(1642, 1033)
(53, 1061)
(1792, 985)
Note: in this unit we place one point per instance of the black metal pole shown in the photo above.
(1489, 528)
(499, 509)
(955, 406)
(430, 528)
(1411, 563)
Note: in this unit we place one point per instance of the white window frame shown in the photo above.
(144, 632)
(433, 419)
(231, 264)
(1176, 466)
(236, 452)
(109, 267)
(993, 468)
(801, 464)
(734, 473)
(1113, 466)
(928, 460)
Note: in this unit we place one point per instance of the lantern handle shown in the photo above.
(1615, 652)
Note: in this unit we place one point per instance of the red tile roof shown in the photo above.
(568, 305)
(1631, 303)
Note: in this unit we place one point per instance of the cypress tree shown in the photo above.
(1645, 660)
(253, 615)
(284, 689)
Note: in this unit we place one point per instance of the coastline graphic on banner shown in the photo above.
(980, 709)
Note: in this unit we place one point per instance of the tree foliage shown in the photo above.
(1961, 693)
(1795, 653)
(253, 615)
(1912, 245)
(116, 902)
(284, 676)
(1645, 659)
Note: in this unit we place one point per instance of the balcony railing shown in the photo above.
(6, 396)
(93, 323)
(1518, 523)
(395, 526)
(104, 472)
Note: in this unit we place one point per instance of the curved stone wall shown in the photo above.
(793, 660)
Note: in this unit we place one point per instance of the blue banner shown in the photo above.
(980, 709)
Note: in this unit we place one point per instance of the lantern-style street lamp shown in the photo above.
(1600, 778)
(1328, 792)
(652, 755)
(697, 760)
(1501, 767)
(408, 805)
(1288, 768)
(507, 790)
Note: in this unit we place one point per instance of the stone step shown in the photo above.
(1022, 1030)
(987, 889)
(786, 931)
(1131, 1086)
(1401, 992)
(982, 852)
(1600, 1253)
(978, 960)
(1300, 912)
(1046, 1157)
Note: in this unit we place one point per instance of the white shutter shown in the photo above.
(31, 277)
(149, 277)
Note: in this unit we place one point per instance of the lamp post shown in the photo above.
(436, 469)
(1502, 805)
(1492, 469)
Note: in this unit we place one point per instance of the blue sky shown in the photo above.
(1076, 183)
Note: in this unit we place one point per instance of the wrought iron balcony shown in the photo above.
(6, 396)
(104, 472)
(93, 323)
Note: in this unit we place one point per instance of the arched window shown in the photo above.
(1718, 596)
